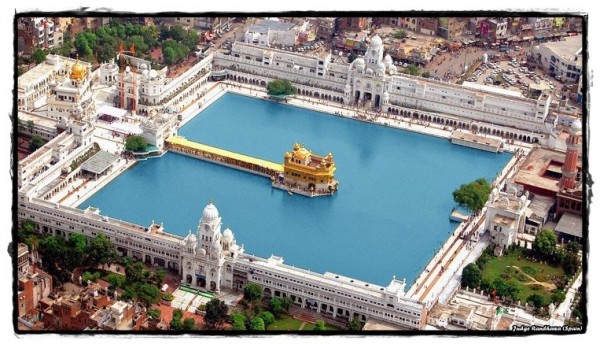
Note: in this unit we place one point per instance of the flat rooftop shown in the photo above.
(492, 89)
(267, 25)
(37, 119)
(568, 48)
(99, 162)
(533, 168)
(34, 74)
(469, 137)
(570, 224)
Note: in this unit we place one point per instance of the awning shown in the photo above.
(126, 128)
(99, 162)
(112, 111)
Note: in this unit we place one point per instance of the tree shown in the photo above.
(78, 248)
(116, 281)
(36, 143)
(545, 243)
(253, 292)
(238, 322)
(573, 247)
(571, 263)
(275, 304)
(474, 195)
(136, 143)
(169, 56)
(20, 71)
(352, 57)
(513, 290)
(426, 74)
(134, 272)
(319, 325)
(154, 313)
(39, 56)
(159, 276)
(471, 276)
(216, 313)
(558, 296)
(286, 303)
(190, 40)
(501, 287)
(412, 70)
(103, 251)
(536, 300)
(354, 324)
(400, 34)
(189, 324)
(257, 324)
(177, 32)
(280, 87)
(267, 317)
(148, 294)
(176, 323)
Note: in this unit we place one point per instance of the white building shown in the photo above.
(372, 82)
(212, 259)
(272, 32)
(563, 59)
(505, 218)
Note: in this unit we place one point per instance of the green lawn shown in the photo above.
(287, 323)
(328, 327)
(502, 267)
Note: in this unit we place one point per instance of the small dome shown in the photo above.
(144, 72)
(386, 95)
(523, 198)
(393, 69)
(215, 245)
(381, 67)
(227, 234)
(301, 153)
(144, 66)
(78, 71)
(359, 63)
(192, 239)
(376, 42)
(210, 212)
(201, 252)
(388, 60)
(348, 87)
(576, 126)
(369, 71)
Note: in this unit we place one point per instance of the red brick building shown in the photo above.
(353, 23)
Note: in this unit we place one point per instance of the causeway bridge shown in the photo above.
(179, 144)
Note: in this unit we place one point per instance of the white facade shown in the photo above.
(505, 217)
(271, 32)
(213, 260)
(372, 82)
(563, 59)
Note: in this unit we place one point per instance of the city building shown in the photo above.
(427, 25)
(541, 24)
(496, 30)
(34, 285)
(562, 59)
(353, 23)
(37, 33)
(80, 24)
(409, 23)
(326, 27)
(273, 32)
(451, 28)
(505, 218)
(213, 24)
(372, 82)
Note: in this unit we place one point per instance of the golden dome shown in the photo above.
(301, 153)
(296, 146)
(78, 71)
(329, 156)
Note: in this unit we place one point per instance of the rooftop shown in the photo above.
(99, 162)
(492, 89)
(267, 25)
(533, 168)
(568, 48)
(503, 220)
(570, 224)
(34, 75)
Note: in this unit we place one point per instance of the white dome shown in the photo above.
(227, 234)
(386, 95)
(369, 71)
(376, 42)
(393, 69)
(216, 245)
(359, 62)
(210, 212)
(388, 60)
(523, 198)
(201, 252)
(192, 239)
(144, 72)
(576, 126)
(381, 67)
(144, 66)
(348, 87)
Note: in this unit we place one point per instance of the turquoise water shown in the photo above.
(389, 217)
